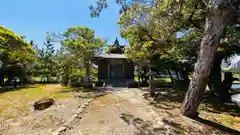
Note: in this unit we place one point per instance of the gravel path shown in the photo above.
(123, 112)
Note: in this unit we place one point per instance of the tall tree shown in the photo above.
(46, 59)
(15, 53)
(82, 42)
(219, 15)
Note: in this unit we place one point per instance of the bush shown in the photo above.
(88, 85)
(144, 84)
(99, 83)
(181, 84)
(133, 84)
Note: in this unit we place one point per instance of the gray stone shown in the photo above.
(152, 112)
(61, 129)
(158, 119)
(75, 116)
(56, 133)
(83, 106)
(166, 127)
(67, 123)
(160, 123)
(90, 100)
(80, 110)
(145, 94)
(50, 130)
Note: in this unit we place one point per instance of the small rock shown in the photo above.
(83, 106)
(61, 129)
(86, 104)
(90, 100)
(67, 123)
(80, 110)
(160, 123)
(158, 119)
(166, 127)
(75, 116)
(56, 133)
(145, 94)
(152, 102)
(152, 113)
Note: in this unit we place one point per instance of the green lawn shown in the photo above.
(18, 102)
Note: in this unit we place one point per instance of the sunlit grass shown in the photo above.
(19, 102)
(166, 80)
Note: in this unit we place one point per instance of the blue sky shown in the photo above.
(33, 18)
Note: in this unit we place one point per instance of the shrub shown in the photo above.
(181, 84)
(99, 83)
(133, 84)
(144, 84)
(88, 85)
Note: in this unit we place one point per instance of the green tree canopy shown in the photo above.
(83, 44)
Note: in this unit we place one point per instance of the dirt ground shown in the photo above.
(122, 112)
(105, 116)
(39, 122)
(114, 114)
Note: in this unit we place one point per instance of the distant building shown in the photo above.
(113, 66)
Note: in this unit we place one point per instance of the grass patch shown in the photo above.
(19, 102)
(165, 80)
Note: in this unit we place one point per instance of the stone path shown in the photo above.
(124, 112)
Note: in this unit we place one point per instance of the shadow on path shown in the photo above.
(218, 126)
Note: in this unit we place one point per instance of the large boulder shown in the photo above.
(43, 104)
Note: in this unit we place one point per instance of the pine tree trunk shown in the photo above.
(216, 20)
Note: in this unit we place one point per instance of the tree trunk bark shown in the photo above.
(216, 20)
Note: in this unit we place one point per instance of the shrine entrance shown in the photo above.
(116, 70)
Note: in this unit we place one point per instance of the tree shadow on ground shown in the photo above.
(143, 127)
(220, 129)
(210, 103)
(169, 100)
(214, 105)
(218, 126)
